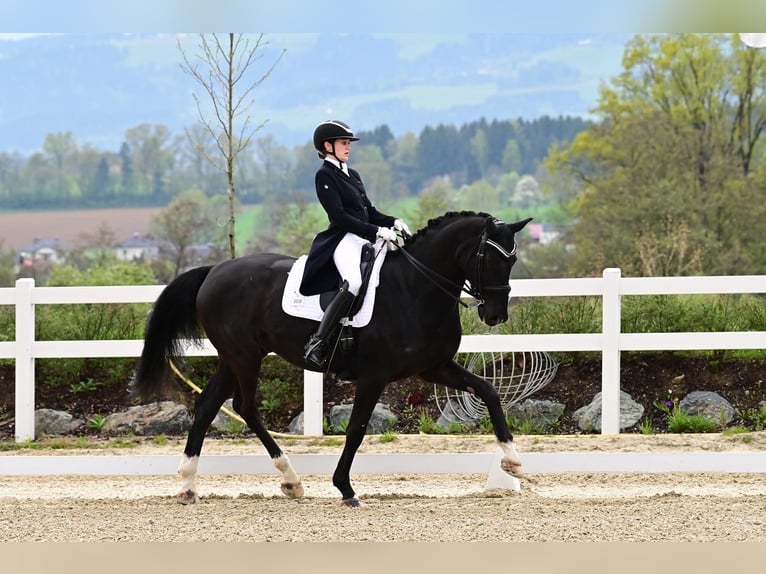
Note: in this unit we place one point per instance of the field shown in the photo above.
(20, 229)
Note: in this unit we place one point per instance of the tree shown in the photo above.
(181, 225)
(676, 146)
(152, 157)
(526, 193)
(479, 196)
(227, 65)
(61, 151)
(434, 201)
(479, 146)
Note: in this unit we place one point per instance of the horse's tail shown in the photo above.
(173, 318)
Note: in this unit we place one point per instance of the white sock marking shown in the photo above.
(282, 463)
(509, 452)
(188, 471)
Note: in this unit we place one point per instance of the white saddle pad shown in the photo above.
(307, 306)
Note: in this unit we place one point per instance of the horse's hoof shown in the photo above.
(512, 468)
(187, 497)
(352, 502)
(291, 490)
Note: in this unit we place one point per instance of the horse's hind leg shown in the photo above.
(455, 376)
(218, 389)
(244, 404)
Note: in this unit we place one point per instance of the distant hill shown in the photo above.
(97, 86)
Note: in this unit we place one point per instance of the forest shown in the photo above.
(153, 165)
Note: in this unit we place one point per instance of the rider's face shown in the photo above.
(342, 148)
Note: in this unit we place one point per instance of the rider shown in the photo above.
(336, 252)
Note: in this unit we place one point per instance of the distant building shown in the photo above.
(543, 233)
(138, 247)
(41, 250)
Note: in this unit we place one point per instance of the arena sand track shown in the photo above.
(401, 508)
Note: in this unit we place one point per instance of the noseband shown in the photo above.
(477, 292)
(474, 291)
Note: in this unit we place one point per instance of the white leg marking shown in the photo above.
(188, 472)
(291, 482)
(511, 462)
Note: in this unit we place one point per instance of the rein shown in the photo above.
(475, 292)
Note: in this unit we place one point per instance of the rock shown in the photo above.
(452, 412)
(52, 422)
(382, 418)
(296, 425)
(165, 417)
(708, 404)
(589, 417)
(540, 415)
(222, 421)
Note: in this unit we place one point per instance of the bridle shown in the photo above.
(475, 291)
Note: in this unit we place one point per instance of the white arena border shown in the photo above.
(456, 463)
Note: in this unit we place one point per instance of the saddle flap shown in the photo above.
(295, 304)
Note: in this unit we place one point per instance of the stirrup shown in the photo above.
(315, 352)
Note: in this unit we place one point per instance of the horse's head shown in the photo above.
(495, 257)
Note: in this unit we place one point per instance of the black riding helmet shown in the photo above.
(331, 130)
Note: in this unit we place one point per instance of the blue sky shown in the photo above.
(550, 16)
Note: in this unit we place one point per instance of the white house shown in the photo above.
(41, 250)
(137, 247)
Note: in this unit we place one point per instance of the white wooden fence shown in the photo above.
(610, 342)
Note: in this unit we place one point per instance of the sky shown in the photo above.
(419, 16)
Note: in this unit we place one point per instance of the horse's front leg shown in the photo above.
(455, 376)
(365, 398)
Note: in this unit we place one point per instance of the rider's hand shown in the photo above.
(399, 225)
(387, 234)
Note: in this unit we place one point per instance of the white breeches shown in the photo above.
(347, 256)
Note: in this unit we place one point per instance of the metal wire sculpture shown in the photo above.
(515, 376)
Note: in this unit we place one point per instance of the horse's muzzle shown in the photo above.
(492, 319)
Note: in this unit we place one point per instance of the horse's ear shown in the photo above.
(490, 225)
(519, 225)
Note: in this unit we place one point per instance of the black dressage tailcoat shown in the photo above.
(349, 210)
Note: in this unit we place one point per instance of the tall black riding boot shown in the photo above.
(315, 351)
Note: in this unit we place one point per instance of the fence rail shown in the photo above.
(611, 287)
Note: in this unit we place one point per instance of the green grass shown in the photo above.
(387, 436)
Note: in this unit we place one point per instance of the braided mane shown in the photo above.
(438, 221)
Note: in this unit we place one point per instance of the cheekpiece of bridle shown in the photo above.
(475, 291)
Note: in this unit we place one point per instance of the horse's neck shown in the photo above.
(447, 251)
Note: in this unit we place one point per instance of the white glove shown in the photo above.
(386, 234)
(399, 225)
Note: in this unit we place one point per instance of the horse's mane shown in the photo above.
(438, 221)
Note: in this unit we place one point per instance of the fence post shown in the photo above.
(610, 354)
(25, 361)
(312, 403)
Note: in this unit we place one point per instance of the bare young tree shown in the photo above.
(223, 69)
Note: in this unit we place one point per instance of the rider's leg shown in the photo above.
(317, 346)
(346, 258)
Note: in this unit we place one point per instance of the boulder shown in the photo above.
(708, 404)
(537, 414)
(161, 418)
(589, 417)
(382, 418)
(53, 422)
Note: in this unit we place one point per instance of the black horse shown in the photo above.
(414, 330)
